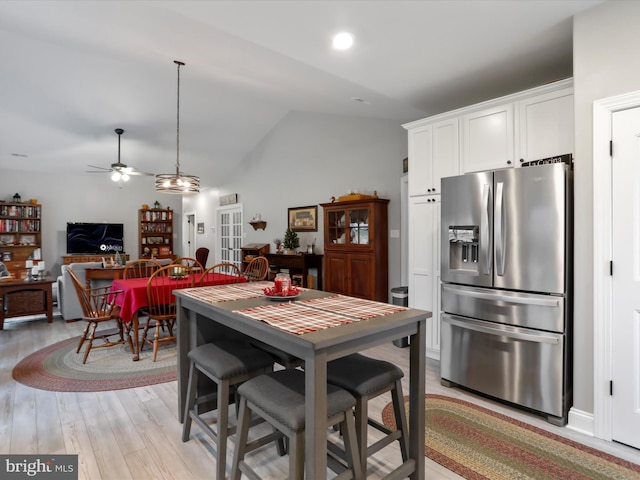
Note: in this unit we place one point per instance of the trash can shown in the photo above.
(400, 296)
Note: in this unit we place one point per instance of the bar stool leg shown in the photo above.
(401, 419)
(223, 428)
(191, 396)
(242, 433)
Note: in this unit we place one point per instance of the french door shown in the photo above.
(229, 237)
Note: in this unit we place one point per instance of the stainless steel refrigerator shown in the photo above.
(506, 276)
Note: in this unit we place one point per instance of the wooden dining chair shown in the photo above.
(99, 306)
(257, 269)
(141, 268)
(230, 271)
(190, 262)
(162, 303)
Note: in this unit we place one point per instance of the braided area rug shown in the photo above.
(478, 443)
(59, 368)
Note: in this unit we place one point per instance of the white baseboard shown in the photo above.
(580, 421)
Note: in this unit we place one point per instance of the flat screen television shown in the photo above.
(95, 238)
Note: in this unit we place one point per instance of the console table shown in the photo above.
(19, 298)
(112, 273)
(81, 258)
(298, 264)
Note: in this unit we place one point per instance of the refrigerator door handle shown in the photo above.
(485, 261)
(500, 229)
(478, 327)
(497, 297)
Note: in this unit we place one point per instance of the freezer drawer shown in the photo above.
(513, 364)
(529, 310)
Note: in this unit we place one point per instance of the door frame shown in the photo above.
(188, 233)
(603, 111)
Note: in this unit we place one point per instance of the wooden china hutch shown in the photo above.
(356, 252)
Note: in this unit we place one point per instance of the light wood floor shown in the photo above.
(135, 434)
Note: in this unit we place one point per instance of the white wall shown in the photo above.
(605, 43)
(84, 198)
(305, 160)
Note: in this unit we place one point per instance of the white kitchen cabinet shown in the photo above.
(420, 159)
(433, 154)
(424, 265)
(545, 125)
(487, 139)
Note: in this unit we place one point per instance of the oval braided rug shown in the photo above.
(59, 368)
(478, 443)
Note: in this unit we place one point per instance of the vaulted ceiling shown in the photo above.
(72, 72)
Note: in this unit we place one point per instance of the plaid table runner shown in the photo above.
(225, 293)
(295, 317)
(353, 307)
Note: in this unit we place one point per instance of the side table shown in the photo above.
(19, 298)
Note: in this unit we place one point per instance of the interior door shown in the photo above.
(626, 277)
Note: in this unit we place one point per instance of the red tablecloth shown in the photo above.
(134, 291)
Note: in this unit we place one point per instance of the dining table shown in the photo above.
(317, 327)
(133, 296)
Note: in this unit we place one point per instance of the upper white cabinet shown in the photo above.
(487, 139)
(546, 125)
(433, 154)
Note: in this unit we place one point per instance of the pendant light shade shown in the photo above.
(178, 182)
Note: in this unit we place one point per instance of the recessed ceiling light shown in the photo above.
(360, 100)
(343, 41)
(21, 155)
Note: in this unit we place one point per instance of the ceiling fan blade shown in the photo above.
(100, 168)
(137, 172)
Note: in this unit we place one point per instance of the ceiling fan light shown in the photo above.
(125, 177)
(116, 176)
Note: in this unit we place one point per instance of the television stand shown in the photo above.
(88, 257)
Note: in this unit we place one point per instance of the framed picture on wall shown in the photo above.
(201, 227)
(303, 219)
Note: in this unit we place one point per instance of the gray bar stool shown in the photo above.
(226, 363)
(279, 398)
(366, 378)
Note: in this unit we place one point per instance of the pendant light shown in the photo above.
(179, 182)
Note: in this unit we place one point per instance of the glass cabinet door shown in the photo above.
(348, 227)
(337, 226)
(359, 226)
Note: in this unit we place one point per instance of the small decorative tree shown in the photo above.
(291, 241)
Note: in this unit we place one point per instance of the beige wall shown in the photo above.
(606, 40)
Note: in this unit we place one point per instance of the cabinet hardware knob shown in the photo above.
(508, 162)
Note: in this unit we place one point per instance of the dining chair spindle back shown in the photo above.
(228, 272)
(162, 303)
(257, 269)
(142, 268)
(99, 306)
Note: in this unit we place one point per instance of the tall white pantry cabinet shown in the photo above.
(500, 133)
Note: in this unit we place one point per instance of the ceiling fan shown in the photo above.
(119, 171)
